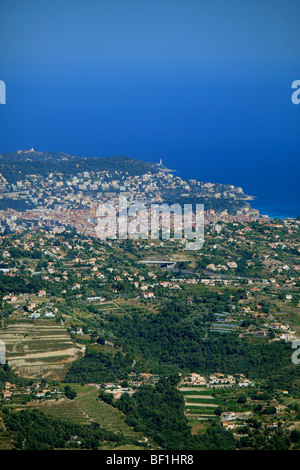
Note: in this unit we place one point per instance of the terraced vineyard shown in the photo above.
(108, 307)
(39, 347)
(199, 403)
(86, 408)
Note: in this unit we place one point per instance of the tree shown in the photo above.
(295, 436)
(242, 399)
(71, 394)
(269, 410)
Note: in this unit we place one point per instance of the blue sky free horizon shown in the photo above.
(206, 86)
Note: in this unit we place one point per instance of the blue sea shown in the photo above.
(204, 86)
(276, 191)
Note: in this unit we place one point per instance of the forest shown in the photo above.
(14, 166)
(34, 430)
(173, 341)
(158, 412)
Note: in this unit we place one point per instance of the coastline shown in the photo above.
(274, 213)
(273, 208)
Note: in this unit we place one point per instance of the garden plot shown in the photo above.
(199, 403)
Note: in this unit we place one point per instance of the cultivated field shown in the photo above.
(35, 348)
(199, 403)
(87, 408)
(5, 441)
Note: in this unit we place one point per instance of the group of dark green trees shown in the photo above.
(158, 413)
(174, 340)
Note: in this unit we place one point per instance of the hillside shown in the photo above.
(31, 179)
(17, 165)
